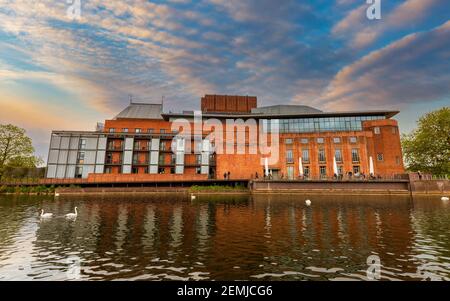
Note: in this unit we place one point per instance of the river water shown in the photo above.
(170, 237)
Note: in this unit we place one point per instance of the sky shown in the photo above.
(64, 71)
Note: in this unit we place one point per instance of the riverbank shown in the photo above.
(355, 187)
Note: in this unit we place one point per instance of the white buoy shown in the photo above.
(56, 194)
(308, 203)
(445, 199)
(193, 197)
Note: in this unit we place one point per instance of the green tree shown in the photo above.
(16, 148)
(427, 148)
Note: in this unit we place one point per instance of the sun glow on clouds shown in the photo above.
(324, 53)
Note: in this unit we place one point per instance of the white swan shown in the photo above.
(72, 215)
(46, 215)
(308, 203)
(193, 197)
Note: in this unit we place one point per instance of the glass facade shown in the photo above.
(322, 124)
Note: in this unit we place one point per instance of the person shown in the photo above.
(225, 176)
(420, 175)
(229, 175)
(257, 176)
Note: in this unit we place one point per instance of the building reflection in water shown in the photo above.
(229, 237)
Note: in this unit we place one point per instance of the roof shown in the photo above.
(286, 109)
(141, 111)
(293, 114)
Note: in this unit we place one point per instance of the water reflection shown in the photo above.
(169, 237)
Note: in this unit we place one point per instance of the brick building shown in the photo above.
(142, 143)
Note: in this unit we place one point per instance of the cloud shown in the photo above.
(361, 32)
(410, 70)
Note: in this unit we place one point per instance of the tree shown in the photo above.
(16, 149)
(427, 148)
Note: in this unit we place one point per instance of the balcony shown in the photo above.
(114, 148)
(113, 162)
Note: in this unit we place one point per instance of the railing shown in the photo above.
(336, 179)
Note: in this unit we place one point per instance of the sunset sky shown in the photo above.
(57, 72)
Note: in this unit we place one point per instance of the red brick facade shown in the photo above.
(378, 139)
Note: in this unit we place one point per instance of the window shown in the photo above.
(355, 155)
(137, 145)
(110, 145)
(288, 141)
(146, 169)
(82, 143)
(135, 170)
(162, 159)
(306, 171)
(161, 171)
(323, 171)
(394, 130)
(322, 157)
(150, 131)
(380, 157)
(79, 172)
(124, 130)
(138, 131)
(304, 141)
(376, 130)
(397, 160)
(172, 170)
(80, 157)
(198, 170)
(108, 170)
(320, 140)
(356, 169)
(162, 146)
(112, 130)
(353, 140)
(337, 140)
(173, 159)
(162, 131)
(198, 159)
(305, 155)
(135, 159)
(109, 158)
(290, 172)
(289, 156)
(338, 155)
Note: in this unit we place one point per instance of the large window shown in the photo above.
(289, 156)
(338, 155)
(79, 172)
(355, 155)
(322, 124)
(288, 141)
(322, 157)
(306, 171)
(305, 156)
(323, 171)
(290, 172)
(80, 157)
(82, 143)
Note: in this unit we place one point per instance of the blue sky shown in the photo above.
(61, 73)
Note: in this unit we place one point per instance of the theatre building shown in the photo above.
(138, 144)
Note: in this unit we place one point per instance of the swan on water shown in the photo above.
(46, 215)
(72, 215)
